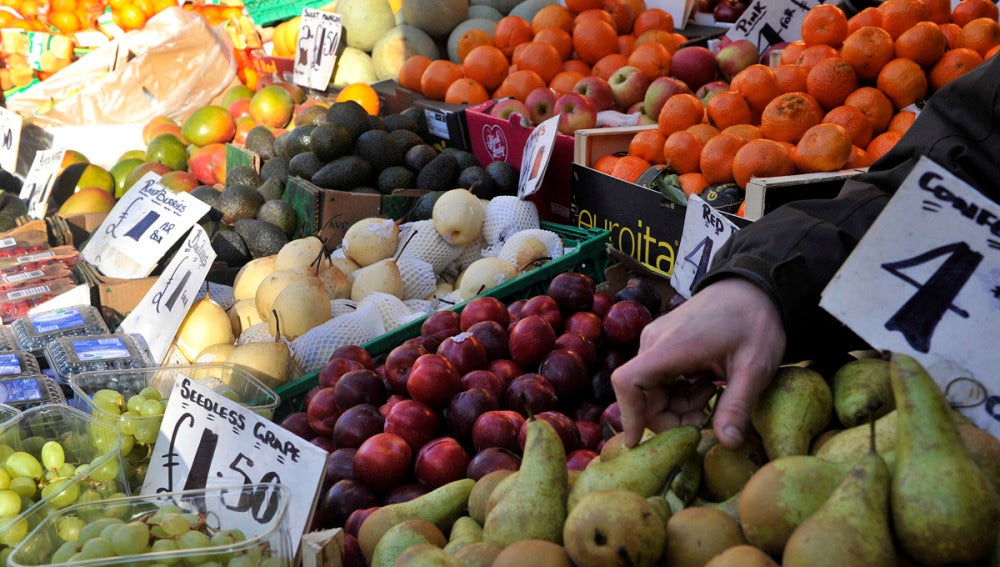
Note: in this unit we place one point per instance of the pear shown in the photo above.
(464, 531)
(250, 276)
(795, 407)
(859, 383)
(441, 507)
(215, 354)
(369, 240)
(695, 535)
(382, 276)
(403, 535)
(689, 478)
(944, 509)
(726, 471)
(479, 554)
(298, 252)
(615, 445)
(271, 286)
(730, 505)
(533, 553)
(205, 324)
(268, 361)
(614, 527)
(525, 253)
(336, 282)
(346, 265)
(985, 450)
(484, 274)
(302, 305)
(503, 486)
(481, 493)
(458, 216)
(426, 555)
(535, 506)
(852, 444)
(742, 556)
(243, 314)
(644, 469)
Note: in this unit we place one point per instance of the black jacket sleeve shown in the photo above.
(794, 251)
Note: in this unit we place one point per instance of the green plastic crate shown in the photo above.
(267, 12)
(587, 253)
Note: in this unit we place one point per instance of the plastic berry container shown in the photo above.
(35, 331)
(17, 362)
(29, 390)
(256, 510)
(107, 352)
(7, 413)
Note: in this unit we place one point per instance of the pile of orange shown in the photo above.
(560, 45)
(842, 96)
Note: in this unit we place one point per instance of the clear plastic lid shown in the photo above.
(33, 332)
(29, 390)
(16, 362)
(72, 355)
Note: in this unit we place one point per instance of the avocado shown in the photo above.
(419, 116)
(475, 179)
(304, 165)
(330, 141)
(424, 206)
(366, 190)
(230, 248)
(211, 226)
(406, 138)
(400, 122)
(294, 141)
(279, 213)
(462, 157)
(7, 222)
(271, 189)
(275, 168)
(313, 114)
(345, 173)
(260, 140)
(239, 202)
(418, 156)
(379, 148)
(262, 238)
(505, 177)
(351, 114)
(243, 175)
(395, 177)
(210, 196)
(375, 122)
(440, 174)
(11, 203)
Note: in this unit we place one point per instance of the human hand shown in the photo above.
(729, 331)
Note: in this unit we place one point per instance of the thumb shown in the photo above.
(732, 414)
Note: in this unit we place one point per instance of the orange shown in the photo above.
(968, 10)
(859, 158)
(923, 44)
(518, 84)
(790, 78)
(761, 158)
(692, 183)
(411, 70)
(66, 22)
(564, 81)
(470, 40)
(647, 144)
(666, 39)
(578, 6)
(129, 17)
(901, 15)
(607, 65)
(365, 95)
(788, 116)
(792, 51)
(830, 81)
(950, 30)
(867, 50)
(870, 16)
(622, 15)
(510, 32)
(625, 44)
(992, 52)
(857, 125)
(437, 77)
(979, 35)
(938, 11)
(746, 131)
(653, 19)
(559, 39)
(146, 6)
(466, 91)
(901, 122)
(953, 64)
(539, 57)
(881, 144)
(62, 5)
(487, 65)
(813, 54)
(606, 163)
(874, 104)
(552, 16)
(824, 24)
(716, 160)
(680, 111)
(681, 151)
(824, 147)
(576, 65)
(595, 14)
(593, 39)
(703, 131)
(757, 84)
(727, 109)
(903, 81)
(652, 59)
(629, 168)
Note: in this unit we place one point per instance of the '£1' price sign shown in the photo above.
(925, 281)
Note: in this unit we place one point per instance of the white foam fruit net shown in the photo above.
(391, 309)
(313, 349)
(220, 293)
(256, 333)
(552, 241)
(472, 252)
(419, 240)
(419, 278)
(506, 215)
(421, 306)
(340, 307)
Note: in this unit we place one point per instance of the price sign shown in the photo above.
(705, 231)
(772, 22)
(536, 156)
(38, 183)
(141, 227)
(10, 138)
(319, 36)
(925, 281)
(159, 314)
(207, 440)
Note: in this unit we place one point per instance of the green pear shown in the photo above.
(533, 553)
(730, 505)
(944, 509)
(725, 471)
(856, 385)
(689, 478)
(426, 555)
(614, 527)
(661, 506)
(441, 507)
(985, 450)
(403, 535)
(503, 486)
(535, 506)
(479, 554)
(644, 469)
(782, 494)
(695, 535)
(464, 532)
(481, 492)
(742, 556)
(795, 407)
(852, 444)
(382, 276)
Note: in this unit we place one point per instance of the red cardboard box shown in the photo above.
(494, 139)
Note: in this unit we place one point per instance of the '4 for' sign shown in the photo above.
(925, 281)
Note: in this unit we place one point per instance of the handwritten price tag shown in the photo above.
(537, 153)
(10, 138)
(38, 183)
(705, 231)
(772, 22)
(319, 36)
(925, 281)
(207, 440)
(160, 312)
(141, 228)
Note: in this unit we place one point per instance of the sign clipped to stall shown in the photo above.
(38, 182)
(207, 440)
(316, 55)
(538, 152)
(141, 228)
(770, 23)
(10, 138)
(159, 314)
(705, 231)
(925, 281)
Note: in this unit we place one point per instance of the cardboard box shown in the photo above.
(445, 121)
(764, 194)
(114, 297)
(593, 143)
(494, 139)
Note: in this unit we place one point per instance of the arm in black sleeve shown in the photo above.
(794, 251)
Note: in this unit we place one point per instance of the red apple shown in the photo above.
(464, 351)
(530, 339)
(483, 308)
(441, 461)
(465, 408)
(610, 357)
(541, 102)
(590, 434)
(659, 91)
(492, 459)
(353, 524)
(383, 461)
(356, 424)
(486, 380)
(351, 554)
(359, 387)
(335, 368)
(298, 423)
(356, 353)
(434, 380)
(399, 363)
(404, 493)
(389, 402)
(580, 344)
(579, 459)
(601, 390)
(710, 89)
(624, 322)
(322, 412)
(612, 417)
(514, 310)
(694, 65)
(586, 323)
(544, 306)
(588, 410)
(339, 465)
(497, 428)
(493, 336)
(567, 372)
(324, 442)
(602, 302)
(506, 370)
(343, 498)
(530, 394)
(735, 57)
(576, 112)
(414, 421)
(564, 426)
(572, 292)
(437, 327)
(628, 86)
(597, 89)
(505, 108)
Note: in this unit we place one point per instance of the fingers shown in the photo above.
(632, 401)
(732, 413)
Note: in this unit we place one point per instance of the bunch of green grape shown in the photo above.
(167, 530)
